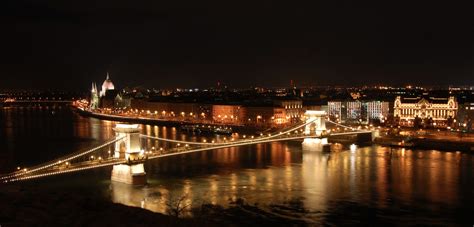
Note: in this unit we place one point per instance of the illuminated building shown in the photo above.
(278, 113)
(430, 110)
(107, 85)
(227, 113)
(94, 104)
(103, 99)
(377, 110)
(358, 111)
(335, 110)
(292, 110)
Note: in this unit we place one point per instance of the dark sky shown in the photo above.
(67, 44)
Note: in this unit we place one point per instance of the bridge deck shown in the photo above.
(56, 167)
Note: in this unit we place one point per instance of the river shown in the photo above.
(404, 186)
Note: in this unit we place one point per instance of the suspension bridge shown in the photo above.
(129, 154)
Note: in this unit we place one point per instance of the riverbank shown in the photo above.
(163, 122)
(426, 144)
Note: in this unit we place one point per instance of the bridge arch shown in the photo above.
(316, 120)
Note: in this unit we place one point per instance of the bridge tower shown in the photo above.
(129, 149)
(319, 122)
(316, 128)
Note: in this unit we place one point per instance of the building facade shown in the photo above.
(99, 99)
(94, 99)
(227, 114)
(437, 112)
(356, 111)
(465, 115)
(184, 111)
(378, 110)
(107, 85)
(287, 111)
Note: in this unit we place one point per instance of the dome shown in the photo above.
(107, 85)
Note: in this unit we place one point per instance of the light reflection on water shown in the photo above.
(388, 180)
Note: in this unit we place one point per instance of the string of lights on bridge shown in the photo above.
(65, 160)
(27, 174)
(54, 163)
(213, 143)
(116, 162)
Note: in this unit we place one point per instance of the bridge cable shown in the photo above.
(58, 160)
(235, 142)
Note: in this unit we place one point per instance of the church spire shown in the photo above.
(108, 77)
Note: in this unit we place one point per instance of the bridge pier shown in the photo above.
(128, 148)
(316, 144)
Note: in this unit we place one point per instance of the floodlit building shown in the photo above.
(356, 111)
(288, 110)
(377, 110)
(94, 103)
(433, 111)
(107, 85)
(227, 114)
(101, 99)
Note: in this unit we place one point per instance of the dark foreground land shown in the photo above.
(26, 205)
(32, 207)
(22, 206)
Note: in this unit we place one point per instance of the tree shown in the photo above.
(176, 206)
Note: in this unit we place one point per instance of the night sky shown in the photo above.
(67, 44)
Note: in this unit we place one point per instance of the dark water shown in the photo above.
(373, 183)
